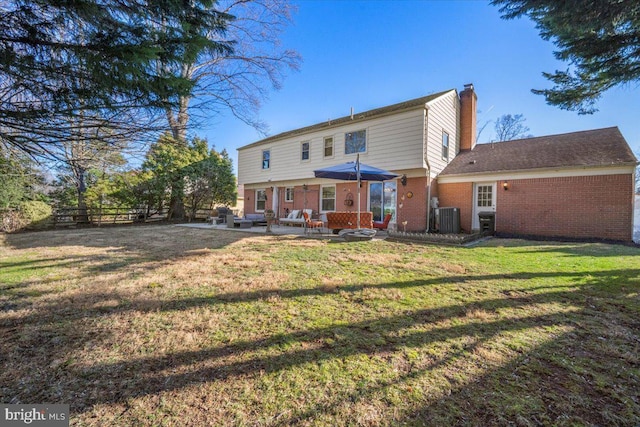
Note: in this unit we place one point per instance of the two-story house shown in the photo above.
(577, 185)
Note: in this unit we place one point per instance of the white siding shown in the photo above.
(443, 115)
(394, 142)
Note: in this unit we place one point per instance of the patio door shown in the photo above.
(484, 200)
(382, 199)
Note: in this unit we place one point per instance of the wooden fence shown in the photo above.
(11, 220)
(66, 216)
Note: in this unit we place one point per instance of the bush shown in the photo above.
(29, 215)
(36, 213)
(11, 220)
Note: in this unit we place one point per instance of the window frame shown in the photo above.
(365, 142)
(322, 198)
(324, 147)
(302, 151)
(289, 191)
(484, 195)
(264, 191)
(445, 147)
(268, 159)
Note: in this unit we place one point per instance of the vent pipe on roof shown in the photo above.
(351, 113)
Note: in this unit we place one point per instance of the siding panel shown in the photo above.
(443, 116)
(394, 142)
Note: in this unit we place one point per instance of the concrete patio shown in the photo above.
(275, 230)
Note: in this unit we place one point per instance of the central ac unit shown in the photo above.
(447, 220)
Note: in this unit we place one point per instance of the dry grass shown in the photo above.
(162, 325)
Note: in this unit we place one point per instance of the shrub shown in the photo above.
(37, 214)
(11, 220)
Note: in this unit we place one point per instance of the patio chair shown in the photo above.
(382, 225)
(312, 224)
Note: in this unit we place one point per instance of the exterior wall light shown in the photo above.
(505, 185)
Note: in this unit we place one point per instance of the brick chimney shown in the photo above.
(468, 119)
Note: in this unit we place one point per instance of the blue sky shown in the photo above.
(368, 54)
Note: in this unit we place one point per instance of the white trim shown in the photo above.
(255, 203)
(292, 194)
(308, 142)
(475, 220)
(333, 147)
(262, 159)
(445, 158)
(538, 173)
(335, 197)
(433, 101)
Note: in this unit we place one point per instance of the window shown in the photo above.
(288, 194)
(304, 147)
(328, 146)
(266, 159)
(328, 201)
(445, 145)
(355, 142)
(485, 195)
(261, 200)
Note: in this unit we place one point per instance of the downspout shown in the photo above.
(426, 159)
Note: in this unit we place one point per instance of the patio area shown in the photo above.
(277, 230)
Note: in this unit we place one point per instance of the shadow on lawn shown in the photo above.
(567, 248)
(88, 305)
(120, 381)
(149, 241)
(127, 250)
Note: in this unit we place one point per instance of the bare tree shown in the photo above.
(236, 79)
(94, 146)
(509, 127)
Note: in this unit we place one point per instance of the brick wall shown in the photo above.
(577, 207)
(414, 209)
(348, 190)
(459, 195)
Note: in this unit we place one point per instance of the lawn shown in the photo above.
(163, 325)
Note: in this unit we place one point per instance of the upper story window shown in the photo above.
(328, 146)
(261, 200)
(288, 194)
(266, 159)
(445, 145)
(304, 150)
(355, 142)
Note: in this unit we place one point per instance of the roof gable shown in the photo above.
(394, 108)
(592, 148)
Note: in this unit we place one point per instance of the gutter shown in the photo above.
(426, 159)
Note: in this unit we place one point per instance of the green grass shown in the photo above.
(173, 326)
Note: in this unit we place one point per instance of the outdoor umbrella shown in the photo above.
(355, 171)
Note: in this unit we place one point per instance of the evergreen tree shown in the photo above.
(600, 40)
(188, 174)
(61, 59)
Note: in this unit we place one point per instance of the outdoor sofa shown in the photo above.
(337, 221)
(295, 217)
(256, 219)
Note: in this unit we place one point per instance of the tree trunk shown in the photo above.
(82, 216)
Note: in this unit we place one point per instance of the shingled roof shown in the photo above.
(406, 105)
(599, 147)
